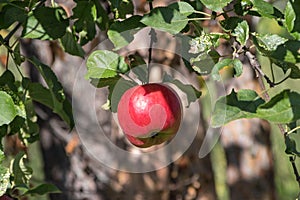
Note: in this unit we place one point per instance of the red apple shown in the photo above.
(149, 114)
(5, 197)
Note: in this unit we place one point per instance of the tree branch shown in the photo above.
(10, 34)
(153, 39)
(255, 64)
(257, 67)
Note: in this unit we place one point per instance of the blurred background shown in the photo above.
(247, 162)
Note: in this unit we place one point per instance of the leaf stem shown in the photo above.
(293, 130)
(272, 71)
(193, 19)
(199, 18)
(202, 13)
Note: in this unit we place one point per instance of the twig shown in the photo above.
(153, 39)
(292, 160)
(255, 64)
(10, 34)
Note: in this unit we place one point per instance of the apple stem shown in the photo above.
(153, 39)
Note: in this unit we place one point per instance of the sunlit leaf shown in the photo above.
(282, 108)
(269, 42)
(236, 105)
(215, 5)
(292, 21)
(7, 107)
(236, 64)
(105, 64)
(242, 32)
(4, 175)
(165, 19)
(183, 7)
(263, 8)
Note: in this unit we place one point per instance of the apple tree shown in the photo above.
(204, 28)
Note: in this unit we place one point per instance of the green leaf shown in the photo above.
(183, 7)
(16, 125)
(54, 24)
(282, 108)
(286, 57)
(116, 91)
(230, 23)
(33, 29)
(43, 189)
(122, 8)
(11, 13)
(17, 56)
(61, 105)
(4, 175)
(241, 32)
(8, 79)
(85, 15)
(102, 17)
(31, 126)
(268, 42)
(105, 64)
(165, 19)
(20, 171)
(121, 32)
(204, 62)
(291, 20)
(7, 107)
(71, 46)
(291, 146)
(238, 67)
(190, 91)
(227, 62)
(40, 94)
(264, 8)
(215, 5)
(242, 104)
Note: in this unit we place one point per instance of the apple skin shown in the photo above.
(149, 114)
(5, 197)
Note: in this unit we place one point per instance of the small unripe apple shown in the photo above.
(149, 114)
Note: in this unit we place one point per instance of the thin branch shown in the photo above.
(153, 39)
(10, 34)
(292, 160)
(255, 64)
